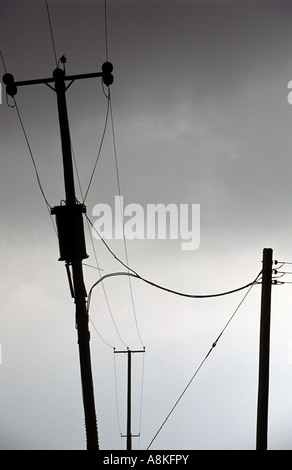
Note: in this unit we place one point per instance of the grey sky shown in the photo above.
(201, 116)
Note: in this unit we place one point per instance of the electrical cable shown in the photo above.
(117, 401)
(141, 399)
(99, 150)
(172, 291)
(31, 155)
(2, 58)
(30, 151)
(28, 144)
(106, 30)
(51, 31)
(101, 337)
(108, 102)
(97, 264)
(124, 238)
(199, 367)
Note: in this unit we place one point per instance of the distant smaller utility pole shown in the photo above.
(129, 434)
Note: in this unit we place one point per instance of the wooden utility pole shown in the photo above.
(129, 434)
(264, 351)
(71, 233)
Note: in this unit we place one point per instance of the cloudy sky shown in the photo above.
(201, 116)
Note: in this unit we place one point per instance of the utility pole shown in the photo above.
(264, 351)
(129, 434)
(71, 232)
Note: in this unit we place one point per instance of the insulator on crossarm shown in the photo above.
(8, 80)
(107, 76)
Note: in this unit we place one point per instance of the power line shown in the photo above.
(124, 239)
(101, 337)
(200, 366)
(31, 155)
(97, 264)
(141, 399)
(108, 101)
(117, 401)
(106, 30)
(154, 284)
(2, 58)
(99, 150)
(51, 32)
(28, 144)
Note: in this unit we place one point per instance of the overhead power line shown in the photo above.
(31, 155)
(51, 32)
(99, 149)
(106, 30)
(194, 296)
(124, 239)
(133, 273)
(2, 58)
(200, 366)
(27, 142)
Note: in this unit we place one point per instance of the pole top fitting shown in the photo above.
(58, 74)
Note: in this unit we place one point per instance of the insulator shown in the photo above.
(107, 77)
(8, 80)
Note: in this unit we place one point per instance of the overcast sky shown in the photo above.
(201, 116)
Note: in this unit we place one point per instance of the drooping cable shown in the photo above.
(31, 155)
(172, 291)
(30, 151)
(99, 150)
(27, 143)
(199, 367)
(101, 337)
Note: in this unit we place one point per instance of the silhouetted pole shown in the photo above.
(71, 234)
(129, 434)
(264, 351)
(77, 271)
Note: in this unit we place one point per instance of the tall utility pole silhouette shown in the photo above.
(129, 434)
(69, 221)
(264, 353)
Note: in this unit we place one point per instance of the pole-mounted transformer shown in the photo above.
(70, 229)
